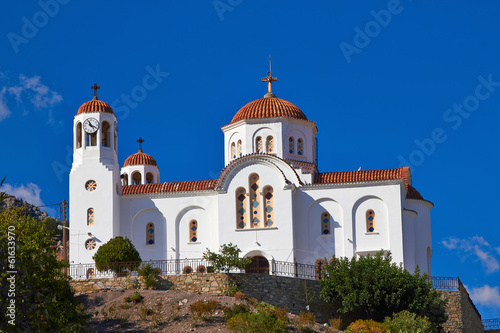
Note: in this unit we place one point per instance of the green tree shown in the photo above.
(117, 250)
(371, 287)
(35, 294)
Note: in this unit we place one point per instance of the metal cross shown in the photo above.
(269, 79)
(140, 143)
(95, 87)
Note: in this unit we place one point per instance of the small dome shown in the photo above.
(140, 158)
(95, 105)
(269, 107)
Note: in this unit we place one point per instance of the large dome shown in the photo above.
(140, 158)
(95, 105)
(269, 107)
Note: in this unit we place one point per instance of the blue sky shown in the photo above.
(387, 83)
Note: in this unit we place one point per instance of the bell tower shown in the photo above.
(94, 180)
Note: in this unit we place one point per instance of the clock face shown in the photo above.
(91, 125)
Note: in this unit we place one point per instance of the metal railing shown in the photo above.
(491, 324)
(445, 283)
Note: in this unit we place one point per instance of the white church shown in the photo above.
(269, 200)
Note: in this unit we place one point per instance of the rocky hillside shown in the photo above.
(11, 201)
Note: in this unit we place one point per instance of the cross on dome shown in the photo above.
(140, 143)
(95, 87)
(269, 79)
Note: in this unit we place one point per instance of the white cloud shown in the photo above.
(486, 295)
(4, 110)
(478, 248)
(29, 193)
(30, 90)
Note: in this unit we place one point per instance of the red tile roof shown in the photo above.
(186, 186)
(139, 158)
(269, 108)
(95, 105)
(413, 193)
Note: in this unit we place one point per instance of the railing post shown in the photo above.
(273, 267)
(296, 268)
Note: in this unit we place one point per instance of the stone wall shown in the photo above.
(462, 313)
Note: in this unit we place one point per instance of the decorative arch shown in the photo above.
(241, 208)
(150, 178)
(259, 145)
(150, 233)
(193, 231)
(90, 216)
(78, 135)
(106, 134)
(136, 178)
(268, 206)
(254, 185)
(270, 144)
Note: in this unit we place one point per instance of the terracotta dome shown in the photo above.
(270, 107)
(95, 105)
(139, 158)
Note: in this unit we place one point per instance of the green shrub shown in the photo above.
(203, 309)
(117, 250)
(234, 310)
(149, 275)
(406, 321)
(367, 326)
(256, 323)
(136, 297)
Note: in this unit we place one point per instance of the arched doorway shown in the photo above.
(259, 265)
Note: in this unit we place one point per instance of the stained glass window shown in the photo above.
(268, 206)
(291, 145)
(325, 223)
(255, 215)
(300, 147)
(193, 231)
(270, 144)
(90, 185)
(240, 152)
(233, 151)
(241, 206)
(319, 266)
(258, 145)
(90, 216)
(150, 233)
(90, 244)
(370, 221)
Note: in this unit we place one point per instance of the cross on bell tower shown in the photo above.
(269, 79)
(140, 143)
(95, 87)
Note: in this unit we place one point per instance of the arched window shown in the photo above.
(270, 144)
(253, 181)
(268, 206)
(79, 135)
(90, 216)
(241, 205)
(291, 145)
(92, 139)
(370, 220)
(150, 233)
(319, 266)
(149, 178)
(240, 153)
(106, 134)
(136, 178)
(258, 145)
(300, 147)
(125, 179)
(193, 231)
(233, 151)
(325, 223)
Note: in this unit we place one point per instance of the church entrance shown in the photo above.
(259, 265)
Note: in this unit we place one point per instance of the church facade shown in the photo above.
(269, 200)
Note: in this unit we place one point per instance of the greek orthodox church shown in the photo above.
(269, 199)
